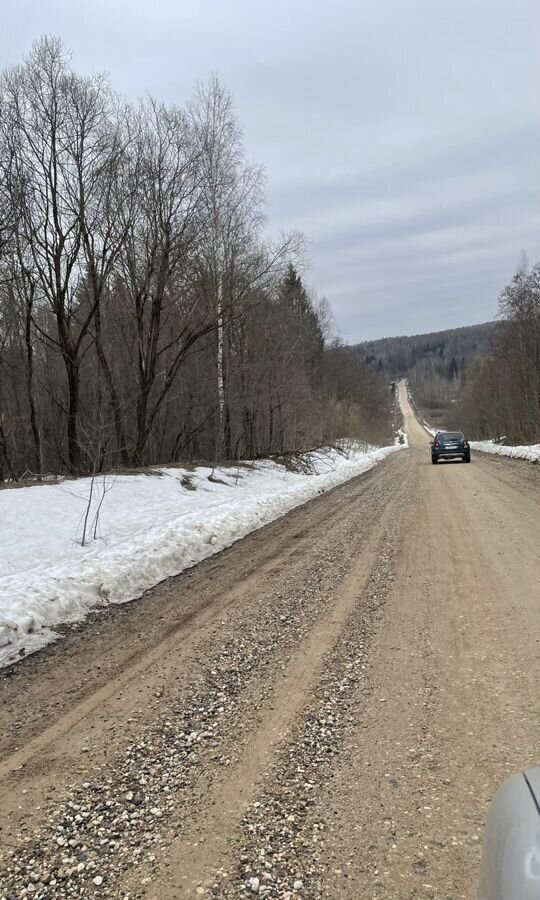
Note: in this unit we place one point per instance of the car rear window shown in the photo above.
(451, 436)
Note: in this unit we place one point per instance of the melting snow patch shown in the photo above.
(148, 528)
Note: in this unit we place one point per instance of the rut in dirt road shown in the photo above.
(323, 711)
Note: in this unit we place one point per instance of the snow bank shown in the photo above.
(530, 452)
(150, 527)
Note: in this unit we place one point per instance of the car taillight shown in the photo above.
(436, 444)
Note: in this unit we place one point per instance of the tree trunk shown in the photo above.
(74, 447)
(115, 403)
(227, 434)
(4, 456)
(248, 433)
(38, 463)
(220, 376)
(142, 426)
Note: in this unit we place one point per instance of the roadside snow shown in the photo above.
(530, 452)
(150, 527)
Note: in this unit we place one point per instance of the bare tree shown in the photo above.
(238, 265)
(143, 313)
(156, 257)
(54, 126)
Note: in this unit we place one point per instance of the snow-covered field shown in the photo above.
(149, 527)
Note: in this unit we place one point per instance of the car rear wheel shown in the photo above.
(433, 460)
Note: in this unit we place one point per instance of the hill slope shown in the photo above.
(434, 363)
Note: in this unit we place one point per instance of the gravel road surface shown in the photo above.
(321, 711)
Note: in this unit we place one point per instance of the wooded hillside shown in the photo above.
(434, 363)
(501, 395)
(484, 379)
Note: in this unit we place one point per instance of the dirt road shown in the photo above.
(323, 710)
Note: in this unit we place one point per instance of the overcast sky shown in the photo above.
(401, 136)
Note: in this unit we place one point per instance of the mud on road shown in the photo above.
(323, 710)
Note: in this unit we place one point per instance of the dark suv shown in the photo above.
(450, 445)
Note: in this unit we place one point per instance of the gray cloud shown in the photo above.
(402, 138)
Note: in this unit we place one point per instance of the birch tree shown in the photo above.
(237, 262)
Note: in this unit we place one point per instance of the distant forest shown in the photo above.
(484, 378)
(434, 364)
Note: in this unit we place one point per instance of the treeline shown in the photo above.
(434, 364)
(144, 317)
(501, 394)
